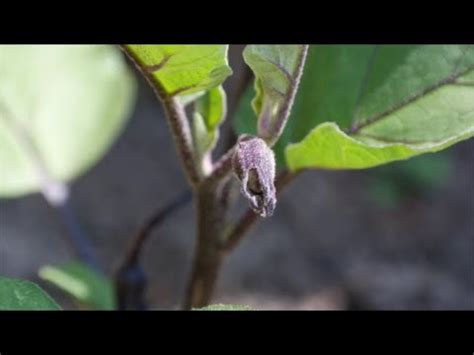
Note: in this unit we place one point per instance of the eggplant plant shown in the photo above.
(337, 107)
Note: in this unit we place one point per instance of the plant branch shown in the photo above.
(210, 217)
(221, 168)
(177, 120)
(250, 217)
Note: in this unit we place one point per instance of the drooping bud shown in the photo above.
(254, 165)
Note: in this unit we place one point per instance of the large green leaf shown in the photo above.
(61, 107)
(23, 295)
(277, 70)
(83, 283)
(183, 69)
(362, 106)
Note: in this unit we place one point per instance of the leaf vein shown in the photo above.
(448, 80)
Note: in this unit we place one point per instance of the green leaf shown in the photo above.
(61, 107)
(362, 106)
(24, 295)
(224, 307)
(210, 109)
(83, 283)
(277, 70)
(183, 69)
(410, 100)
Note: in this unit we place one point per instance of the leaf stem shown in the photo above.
(136, 245)
(177, 120)
(77, 236)
(285, 108)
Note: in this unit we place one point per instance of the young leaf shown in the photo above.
(183, 69)
(277, 69)
(224, 307)
(82, 283)
(362, 106)
(24, 295)
(209, 111)
(61, 107)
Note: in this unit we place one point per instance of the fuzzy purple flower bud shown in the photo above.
(254, 165)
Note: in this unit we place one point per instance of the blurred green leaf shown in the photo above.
(362, 106)
(385, 193)
(82, 283)
(425, 173)
(183, 69)
(24, 295)
(224, 307)
(417, 177)
(61, 107)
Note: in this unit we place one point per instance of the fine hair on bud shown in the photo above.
(253, 163)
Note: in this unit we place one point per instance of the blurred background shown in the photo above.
(399, 236)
